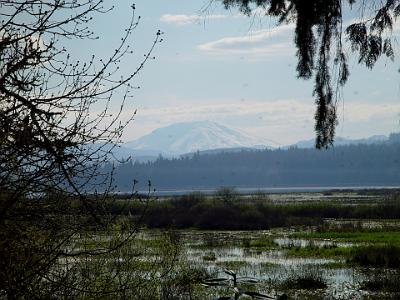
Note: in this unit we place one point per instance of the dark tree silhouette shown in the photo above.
(319, 41)
(52, 140)
(376, 164)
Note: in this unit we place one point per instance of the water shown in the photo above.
(265, 265)
(270, 190)
(270, 266)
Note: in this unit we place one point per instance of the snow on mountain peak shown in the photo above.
(185, 137)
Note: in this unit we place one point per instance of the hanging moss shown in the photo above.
(318, 39)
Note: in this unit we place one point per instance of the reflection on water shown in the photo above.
(254, 257)
(269, 266)
(277, 190)
(271, 263)
(290, 242)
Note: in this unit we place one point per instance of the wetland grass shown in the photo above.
(234, 265)
(386, 256)
(326, 251)
(308, 279)
(382, 282)
(262, 242)
(209, 256)
(373, 236)
(228, 210)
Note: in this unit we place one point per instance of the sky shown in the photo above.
(218, 65)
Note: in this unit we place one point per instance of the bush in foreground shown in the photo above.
(377, 256)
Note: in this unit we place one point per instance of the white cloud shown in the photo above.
(271, 118)
(188, 19)
(276, 41)
(365, 112)
(275, 110)
(283, 121)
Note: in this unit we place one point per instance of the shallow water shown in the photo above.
(294, 242)
(220, 250)
(278, 190)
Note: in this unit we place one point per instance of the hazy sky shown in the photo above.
(219, 65)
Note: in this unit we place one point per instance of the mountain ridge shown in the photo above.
(341, 141)
(207, 137)
(186, 137)
(342, 166)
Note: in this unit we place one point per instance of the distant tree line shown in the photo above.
(376, 164)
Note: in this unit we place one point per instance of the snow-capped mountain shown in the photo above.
(180, 138)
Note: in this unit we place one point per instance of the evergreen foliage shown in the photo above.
(353, 165)
(319, 42)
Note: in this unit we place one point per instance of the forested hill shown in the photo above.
(353, 165)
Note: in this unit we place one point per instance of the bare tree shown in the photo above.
(52, 141)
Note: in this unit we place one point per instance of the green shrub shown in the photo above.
(226, 194)
(308, 279)
(210, 256)
(382, 282)
(377, 256)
